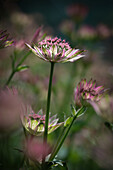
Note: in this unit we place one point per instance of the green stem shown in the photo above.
(48, 103)
(58, 141)
(14, 70)
(22, 60)
(10, 77)
(62, 140)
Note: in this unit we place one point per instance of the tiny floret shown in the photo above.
(56, 50)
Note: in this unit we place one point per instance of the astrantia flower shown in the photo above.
(56, 50)
(4, 42)
(35, 123)
(88, 91)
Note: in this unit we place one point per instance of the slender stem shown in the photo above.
(10, 77)
(14, 70)
(56, 145)
(22, 60)
(48, 103)
(62, 140)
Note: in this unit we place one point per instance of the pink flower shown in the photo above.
(87, 32)
(55, 50)
(88, 91)
(35, 149)
(34, 123)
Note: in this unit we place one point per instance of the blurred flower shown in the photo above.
(20, 45)
(106, 108)
(38, 36)
(35, 123)
(87, 91)
(67, 27)
(10, 109)
(87, 32)
(77, 11)
(4, 42)
(35, 149)
(103, 31)
(56, 50)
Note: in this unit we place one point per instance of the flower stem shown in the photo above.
(15, 69)
(62, 140)
(22, 60)
(56, 145)
(48, 103)
(10, 77)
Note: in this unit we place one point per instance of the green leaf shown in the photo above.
(73, 110)
(22, 68)
(68, 121)
(81, 111)
(53, 128)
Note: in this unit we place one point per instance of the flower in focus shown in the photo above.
(10, 109)
(34, 149)
(4, 42)
(56, 50)
(35, 123)
(88, 91)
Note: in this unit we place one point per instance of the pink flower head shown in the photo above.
(88, 91)
(35, 149)
(34, 123)
(4, 42)
(56, 50)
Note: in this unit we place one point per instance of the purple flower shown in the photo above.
(88, 91)
(35, 123)
(4, 42)
(56, 50)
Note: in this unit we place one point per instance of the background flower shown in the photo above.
(35, 149)
(88, 91)
(10, 109)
